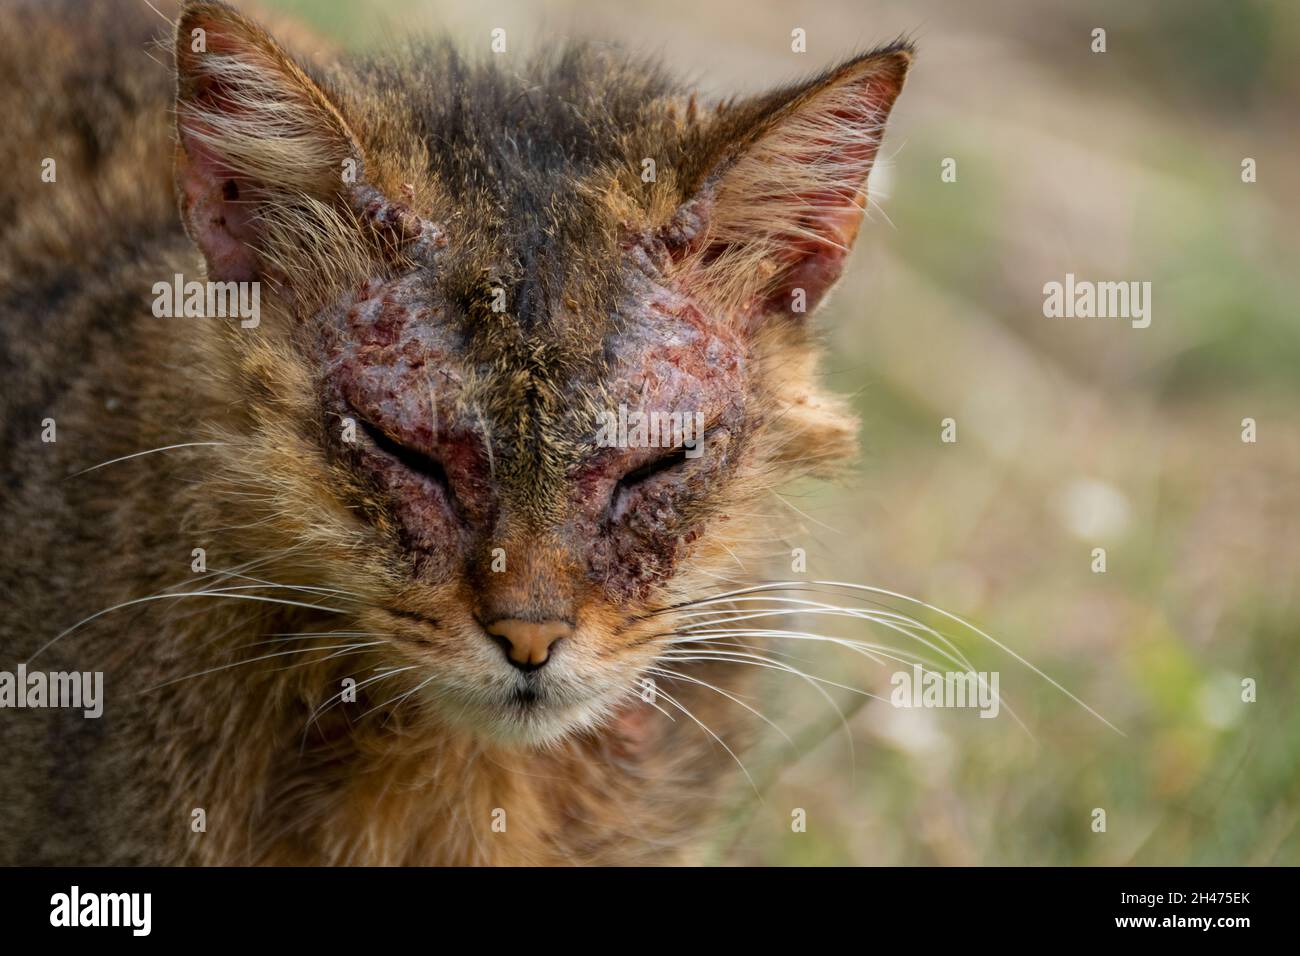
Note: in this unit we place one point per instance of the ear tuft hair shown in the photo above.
(260, 144)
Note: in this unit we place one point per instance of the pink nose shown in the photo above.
(528, 643)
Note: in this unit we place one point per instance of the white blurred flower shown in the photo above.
(1091, 509)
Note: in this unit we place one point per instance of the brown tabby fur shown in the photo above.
(528, 178)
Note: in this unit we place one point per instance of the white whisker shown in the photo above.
(695, 680)
(114, 461)
(186, 594)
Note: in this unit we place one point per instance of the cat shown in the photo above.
(361, 584)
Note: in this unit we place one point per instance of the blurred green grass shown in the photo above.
(1073, 434)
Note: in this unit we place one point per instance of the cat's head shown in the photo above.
(534, 349)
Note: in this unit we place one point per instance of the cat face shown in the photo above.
(518, 402)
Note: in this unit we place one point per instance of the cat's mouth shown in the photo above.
(531, 713)
(526, 695)
(467, 678)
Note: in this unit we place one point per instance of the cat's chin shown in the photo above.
(541, 727)
(535, 724)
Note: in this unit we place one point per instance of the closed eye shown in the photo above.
(658, 466)
(674, 460)
(415, 461)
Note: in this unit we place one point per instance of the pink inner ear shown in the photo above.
(788, 208)
(218, 204)
(219, 213)
(814, 255)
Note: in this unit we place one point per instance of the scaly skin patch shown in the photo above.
(389, 364)
(670, 357)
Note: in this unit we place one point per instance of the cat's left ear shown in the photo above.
(777, 204)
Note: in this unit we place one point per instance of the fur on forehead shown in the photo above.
(539, 175)
(526, 171)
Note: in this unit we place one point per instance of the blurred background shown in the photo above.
(1072, 434)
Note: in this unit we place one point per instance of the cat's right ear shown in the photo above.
(257, 137)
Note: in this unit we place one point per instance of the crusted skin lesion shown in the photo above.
(390, 359)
